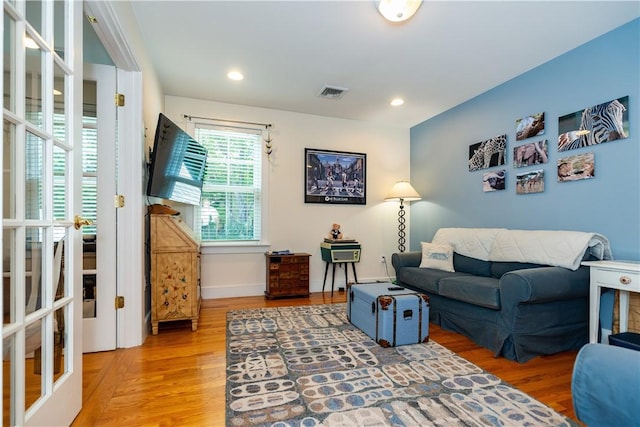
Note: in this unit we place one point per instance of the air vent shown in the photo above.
(332, 92)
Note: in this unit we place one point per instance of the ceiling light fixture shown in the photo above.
(398, 10)
(396, 102)
(235, 75)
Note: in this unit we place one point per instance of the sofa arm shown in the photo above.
(542, 284)
(406, 259)
(605, 385)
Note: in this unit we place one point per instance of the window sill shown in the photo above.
(234, 248)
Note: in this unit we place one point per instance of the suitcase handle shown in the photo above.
(395, 288)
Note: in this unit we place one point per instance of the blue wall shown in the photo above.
(604, 69)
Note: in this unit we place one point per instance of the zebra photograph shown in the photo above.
(574, 168)
(604, 122)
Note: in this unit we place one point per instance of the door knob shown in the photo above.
(79, 222)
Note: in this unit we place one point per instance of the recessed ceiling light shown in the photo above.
(398, 10)
(235, 75)
(397, 102)
(29, 43)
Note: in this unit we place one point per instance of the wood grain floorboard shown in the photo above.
(177, 378)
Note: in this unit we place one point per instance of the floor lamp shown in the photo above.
(404, 192)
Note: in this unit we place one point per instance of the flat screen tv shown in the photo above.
(178, 164)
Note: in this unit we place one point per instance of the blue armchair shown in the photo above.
(606, 386)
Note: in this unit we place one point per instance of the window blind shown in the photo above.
(230, 208)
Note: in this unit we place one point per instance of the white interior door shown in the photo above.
(99, 189)
(41, 329)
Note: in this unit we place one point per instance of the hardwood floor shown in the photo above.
(177, 378)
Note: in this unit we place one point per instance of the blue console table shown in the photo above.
(339, 252)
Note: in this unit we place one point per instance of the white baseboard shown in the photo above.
(250, 290)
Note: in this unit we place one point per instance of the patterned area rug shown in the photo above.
(308, 366)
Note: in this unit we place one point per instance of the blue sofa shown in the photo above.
(606, 386)
(517, 310)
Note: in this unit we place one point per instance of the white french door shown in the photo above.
(99, 188)
(41, 183)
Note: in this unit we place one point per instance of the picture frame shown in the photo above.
(530, 182)
(488, 153)
(529, 126)
(577, 167)
(335, 177)
(594, 125)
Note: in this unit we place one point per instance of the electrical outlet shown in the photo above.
(383, 259)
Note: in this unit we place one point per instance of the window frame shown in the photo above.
(260, 245)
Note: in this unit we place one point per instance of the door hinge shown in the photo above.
(120, 99)
(119, 302)
(118, 201)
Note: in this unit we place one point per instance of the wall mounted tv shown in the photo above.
(178, 164)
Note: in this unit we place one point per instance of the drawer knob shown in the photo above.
(625, 280)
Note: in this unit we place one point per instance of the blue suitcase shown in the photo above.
(389, 314)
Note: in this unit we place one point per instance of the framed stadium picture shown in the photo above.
(335, 177)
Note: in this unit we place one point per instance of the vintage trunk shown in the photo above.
(389, 314)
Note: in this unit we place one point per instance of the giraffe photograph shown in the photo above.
(486, 154)
(574, 168)
(529, 126)
(604, 122)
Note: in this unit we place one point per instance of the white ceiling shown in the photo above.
(449, 52)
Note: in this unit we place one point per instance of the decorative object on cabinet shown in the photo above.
(287, 274)
(175, 272)
(604, 122)
(335, 177)
(402, 191)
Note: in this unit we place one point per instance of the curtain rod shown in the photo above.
(266, 125)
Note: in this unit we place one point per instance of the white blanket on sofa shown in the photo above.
(471, 242)
(549, 247)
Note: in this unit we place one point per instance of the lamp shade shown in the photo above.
(398, 10)
(402, 190)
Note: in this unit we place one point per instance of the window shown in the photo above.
(232, 194)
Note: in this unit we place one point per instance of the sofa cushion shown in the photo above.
(424, 278)
(436, 256)
(499, 268)
(483, 291)
(474, 266)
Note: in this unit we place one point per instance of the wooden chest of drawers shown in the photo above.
(287, 275)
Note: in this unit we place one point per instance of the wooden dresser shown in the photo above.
(175, 272)
(287, 275)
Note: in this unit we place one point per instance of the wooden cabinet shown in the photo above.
(175, 272)
(287, 275)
